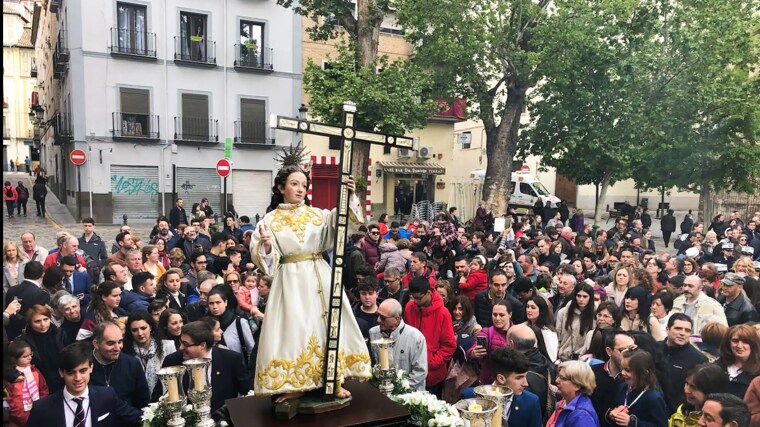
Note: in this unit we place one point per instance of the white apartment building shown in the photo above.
(150, 90)
(18, 84)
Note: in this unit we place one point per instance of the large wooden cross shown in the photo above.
(349, 134)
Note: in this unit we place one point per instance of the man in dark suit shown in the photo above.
(76, 282)
(29, 293)
(511, 369)
(228, 375)
(177, 215)
(115, 369)
(80, 402)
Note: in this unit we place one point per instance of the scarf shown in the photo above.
(226, 319)
(464, 327)
(150, 362)
(30, 391)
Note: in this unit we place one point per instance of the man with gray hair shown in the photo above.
(410, 351)
(68, 246)
(565, 288)
(67, 310)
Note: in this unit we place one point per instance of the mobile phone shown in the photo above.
(481, 341)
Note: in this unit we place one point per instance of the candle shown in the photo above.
(198, 379)
(496, 421)
(171, 385)
(384, 363)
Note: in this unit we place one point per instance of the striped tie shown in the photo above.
(79, 413)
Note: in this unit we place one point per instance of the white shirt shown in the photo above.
(70, 406)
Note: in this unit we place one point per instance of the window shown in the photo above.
(195, 116)
(132, 28)
(135, 112)
(527, 190)
(251, 43)
(466, 139)
(193, 40)
(253, 120)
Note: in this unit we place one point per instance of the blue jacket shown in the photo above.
(525, 410)
(649, 411)
(133, 301)
(579, 413)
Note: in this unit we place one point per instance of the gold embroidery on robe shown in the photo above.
(295, 220)
(305, 372)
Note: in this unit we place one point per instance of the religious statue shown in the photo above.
(288, 244)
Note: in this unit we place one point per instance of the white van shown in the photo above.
(527, 189)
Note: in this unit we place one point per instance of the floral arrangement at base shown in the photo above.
(400, 383)
(427, 410)
(154, 415)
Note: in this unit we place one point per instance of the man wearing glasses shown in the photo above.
(608, 378)
(409, 353)
(392, 288)
(228, 376)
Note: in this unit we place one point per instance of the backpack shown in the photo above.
(9, 191)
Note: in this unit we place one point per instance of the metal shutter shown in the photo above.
(135, 101)
(193, 184)
(134, 190)
(251, 192)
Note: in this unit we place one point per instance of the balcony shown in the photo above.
(33, 68)
(195, 51)
(253, 59)
(63, 132)
(252, 133)
(128, 43)
(190, 129)
(135, 125)
(62, 48)
(54, 5)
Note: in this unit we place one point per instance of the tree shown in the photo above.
(712, 98)
(383, 102)
(657, 91)
(479, 51)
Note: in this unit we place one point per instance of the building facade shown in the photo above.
(18, 84)
(155, 93)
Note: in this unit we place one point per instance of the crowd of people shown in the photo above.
(587, 326)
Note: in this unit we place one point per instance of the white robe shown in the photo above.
(294, 333)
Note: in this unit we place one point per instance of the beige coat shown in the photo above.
(571, 341)
(708, 310)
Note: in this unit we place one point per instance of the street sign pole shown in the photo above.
(224, 168)
(79, 192)
(225, 195)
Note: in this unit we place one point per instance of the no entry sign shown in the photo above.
(78, 157)
(223, 168)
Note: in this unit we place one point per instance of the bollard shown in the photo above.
(125, 219)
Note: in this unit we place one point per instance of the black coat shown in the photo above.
(39, 191)
(605, 392)
(45, 350)
(30, 294)
(680, 361)
(739, 385)
(106, 410)
(668, 223)
(483, 307)
(126, 376)
(229, 376)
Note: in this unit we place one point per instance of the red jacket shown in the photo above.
(476, 281)
(14, 193)
(16, 401)
(435, 324)
(429, 273)
(53, 259)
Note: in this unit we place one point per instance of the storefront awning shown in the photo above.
(413, 168)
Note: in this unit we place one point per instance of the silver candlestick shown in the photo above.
(477, 412)
(384, 370)
(200, 391)
(174, 398)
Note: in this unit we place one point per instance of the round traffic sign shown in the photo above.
(78, 157)
(223, 168)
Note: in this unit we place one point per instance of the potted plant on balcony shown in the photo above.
(252, 52)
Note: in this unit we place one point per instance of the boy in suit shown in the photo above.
(80, 404)
(511, 368)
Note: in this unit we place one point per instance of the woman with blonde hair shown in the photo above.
(14, 261)
(745, 265)
(575, 383)
(621, 281)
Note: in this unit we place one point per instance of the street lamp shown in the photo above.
(32, 117)
(302, 110)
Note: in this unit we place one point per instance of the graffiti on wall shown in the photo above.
(134, 186)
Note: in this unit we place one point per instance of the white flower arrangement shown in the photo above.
(428, 410)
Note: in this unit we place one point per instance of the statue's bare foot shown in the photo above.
(287, 396)
(343, 393)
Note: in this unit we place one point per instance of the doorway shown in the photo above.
(566, 189)
(411, 189)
